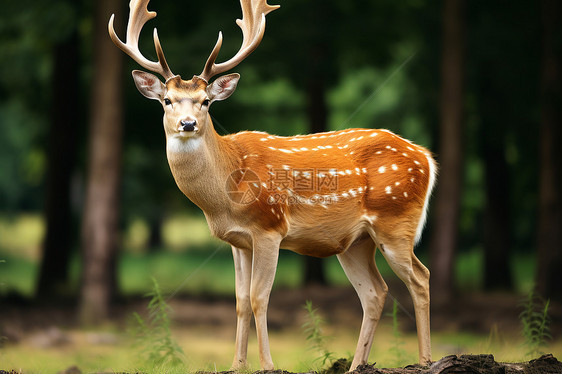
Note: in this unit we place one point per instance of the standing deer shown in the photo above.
(342, 193)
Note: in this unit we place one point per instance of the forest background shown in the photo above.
(84, 181)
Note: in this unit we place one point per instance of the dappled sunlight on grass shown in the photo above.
(21, 236)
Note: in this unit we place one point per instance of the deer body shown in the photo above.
(341, 193)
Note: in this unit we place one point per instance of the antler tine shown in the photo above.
(253, 29)
(138, 16)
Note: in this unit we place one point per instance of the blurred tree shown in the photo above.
(61, 157)
(502, 176)
(447, 202)
(497, 241)
(281, 82)
(549, 275)
(28, 31)
(101, 210)
(494, 124)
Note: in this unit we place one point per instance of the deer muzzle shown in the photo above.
(188, 126)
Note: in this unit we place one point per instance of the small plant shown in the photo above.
(535, 323)
(315, 337)
(154, 336)
(400, 354)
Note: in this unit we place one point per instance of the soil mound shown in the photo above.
(474, 364)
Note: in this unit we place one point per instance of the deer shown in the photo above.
(342, 193)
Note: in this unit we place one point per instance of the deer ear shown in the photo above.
(149, 85)
(223, 87)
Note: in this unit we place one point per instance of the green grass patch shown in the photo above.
(210, 269)
(18, 276)
(194, 262)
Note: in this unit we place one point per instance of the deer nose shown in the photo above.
(187, 125)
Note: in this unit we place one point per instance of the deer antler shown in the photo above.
(253, 28)
(138, 16)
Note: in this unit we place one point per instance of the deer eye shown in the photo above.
(167, 101)
(205, 102)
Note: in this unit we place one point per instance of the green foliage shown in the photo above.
(535, 323)
(401, 357)
(315, 336)
(154, 336)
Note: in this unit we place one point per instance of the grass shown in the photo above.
(209, 269)
(193, 264)
(186, 251)
(212, 349)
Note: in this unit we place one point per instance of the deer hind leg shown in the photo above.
(243, 270)
(399, 253)
(358, 263)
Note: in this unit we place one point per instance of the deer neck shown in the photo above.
(201, 165)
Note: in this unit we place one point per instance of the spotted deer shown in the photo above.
(342, 193)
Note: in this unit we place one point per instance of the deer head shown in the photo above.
(186, 103)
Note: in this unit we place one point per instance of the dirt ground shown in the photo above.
(475, 364)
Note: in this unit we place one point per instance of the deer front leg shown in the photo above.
(264, 265)
(243, 275)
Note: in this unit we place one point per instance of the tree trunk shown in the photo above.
(155, 222)
(101, 211)
(57, 245)
(494, 110)
(317, 111)
(549, 274)
(447, 202)
(497, 273)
